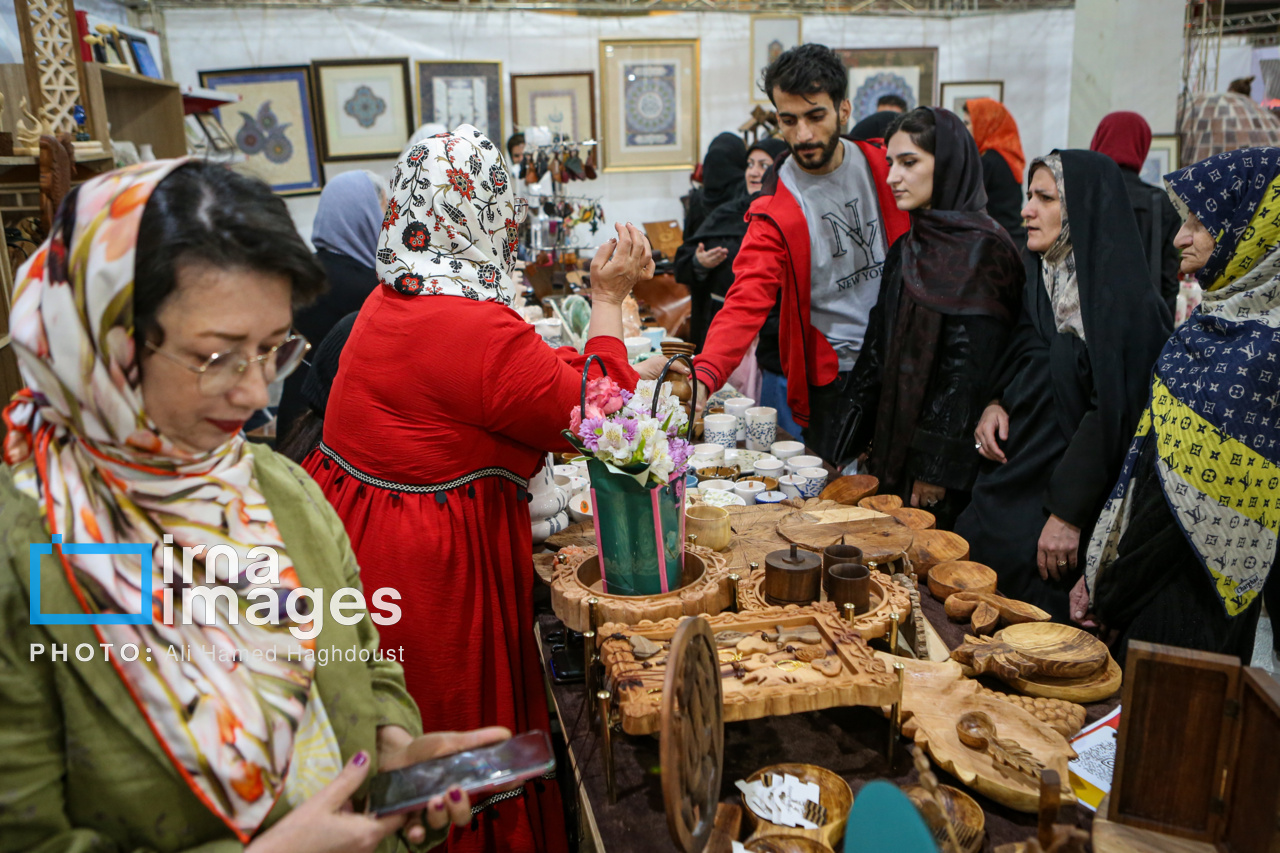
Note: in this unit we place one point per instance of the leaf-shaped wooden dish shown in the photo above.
(986, 611)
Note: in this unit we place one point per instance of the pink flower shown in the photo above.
(605, 395)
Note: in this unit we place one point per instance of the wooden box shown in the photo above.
(1197, 755)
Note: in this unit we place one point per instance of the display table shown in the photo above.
(849, 741)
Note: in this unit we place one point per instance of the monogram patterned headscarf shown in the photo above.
(450, 223)
(1215, 396)
(81, 444)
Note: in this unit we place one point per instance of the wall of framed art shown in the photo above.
(273, 124)
(364, 107)
(454, 93)
(911, 73)
(1035, 66)
(649, 93)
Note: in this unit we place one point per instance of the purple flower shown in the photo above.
(587, 432)
(680, 451)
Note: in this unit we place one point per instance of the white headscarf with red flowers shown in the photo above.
(450, 223)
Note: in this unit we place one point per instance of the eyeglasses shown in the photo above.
(521, 210)
(223, 371)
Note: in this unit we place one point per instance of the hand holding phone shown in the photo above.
(476, 772)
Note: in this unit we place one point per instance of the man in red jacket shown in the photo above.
(818, 233)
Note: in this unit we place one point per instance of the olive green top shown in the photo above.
(80, 769)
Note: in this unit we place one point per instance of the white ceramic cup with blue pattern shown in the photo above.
(815, 480)
(737, 406)
(721, 430)
(762, 427)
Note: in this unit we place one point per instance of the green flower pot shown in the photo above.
(639, 531)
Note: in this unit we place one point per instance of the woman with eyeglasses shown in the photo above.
(445, 403)
(148, 327)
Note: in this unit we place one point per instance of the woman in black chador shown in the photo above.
(1070, 386)
(948, 301)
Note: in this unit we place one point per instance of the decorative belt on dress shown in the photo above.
(433, 488)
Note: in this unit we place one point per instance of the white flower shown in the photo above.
(658, 455)
(613, 441)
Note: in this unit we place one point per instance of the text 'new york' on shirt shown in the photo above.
(847, 248)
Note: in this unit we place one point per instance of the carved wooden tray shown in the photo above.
(935, 695)
(576, 580)
(818, 525)
(841, 670)
(886, 597)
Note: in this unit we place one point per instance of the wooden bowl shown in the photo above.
(787, 844)
(946, 579)
(930, 548)
(834, 793)
(881, 503)
(849, 490)
(710, 524)
(961, 810)
(770, 483)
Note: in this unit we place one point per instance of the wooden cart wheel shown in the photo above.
(691, 749)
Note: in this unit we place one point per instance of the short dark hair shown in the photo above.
(920, 124)
(516, 139)
(205, 213)
(892, 100)
(807, 69)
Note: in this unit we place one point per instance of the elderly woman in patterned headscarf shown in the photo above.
(1069, 388)
(148, 326)
(1185, 544)
(445, 404)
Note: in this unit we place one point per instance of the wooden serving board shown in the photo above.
(886, 597)
(934, 697)
(851, 489)
(881, 537)
(845, 671)
(930, 548)
(916, 519)
(1035, 649)
(881, 503)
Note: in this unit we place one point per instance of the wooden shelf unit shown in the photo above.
(137, 109)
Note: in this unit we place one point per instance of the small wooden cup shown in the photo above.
(835, 554)
(710, 524)
(792, 576)
(850, 582)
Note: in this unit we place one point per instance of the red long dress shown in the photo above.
(443, 390)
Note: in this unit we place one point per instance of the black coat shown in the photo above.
(1154, 212)
(1004, 195)
(349, 283)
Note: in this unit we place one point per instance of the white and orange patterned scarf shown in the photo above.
(81, 444)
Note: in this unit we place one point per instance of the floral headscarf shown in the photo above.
(1058, 263)
(450, 223)
(81, 444)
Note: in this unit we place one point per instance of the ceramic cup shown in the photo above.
(770, 497)
(790, 485)
(850, 582)
(710, 524)
(795, 463)
(721, 430)
(786, 449)
(737, 406)
(717, 485)
(748, 489)
(768, 466)
(815, 480)
(566, 471)
(834, 555)
(578, 484)
(637, 346)
(762, 427)
(709, 453)
(655, 334)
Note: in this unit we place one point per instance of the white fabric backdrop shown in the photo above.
(1030, 51)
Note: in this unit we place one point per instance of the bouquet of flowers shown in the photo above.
(622, 430)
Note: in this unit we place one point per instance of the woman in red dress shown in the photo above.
(445, 404)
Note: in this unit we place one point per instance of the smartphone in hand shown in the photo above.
(476, 771)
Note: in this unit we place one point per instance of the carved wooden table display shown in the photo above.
(692, 741)
(773, 662)
(934, 699)
(705, 588)
(886, 597)
(1044, 659)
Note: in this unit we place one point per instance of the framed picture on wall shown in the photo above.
(956, 95)
(364, 107)
(770, 36)
(1161, 159)
(454, 93)
(911, 73)
(649, 100)
(272, 124)
(564, 103)
(143, 58)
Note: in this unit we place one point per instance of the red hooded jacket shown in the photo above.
(775, 255)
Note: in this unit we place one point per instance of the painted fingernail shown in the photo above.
(437, 805)
(456, 795)
(361, 759)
